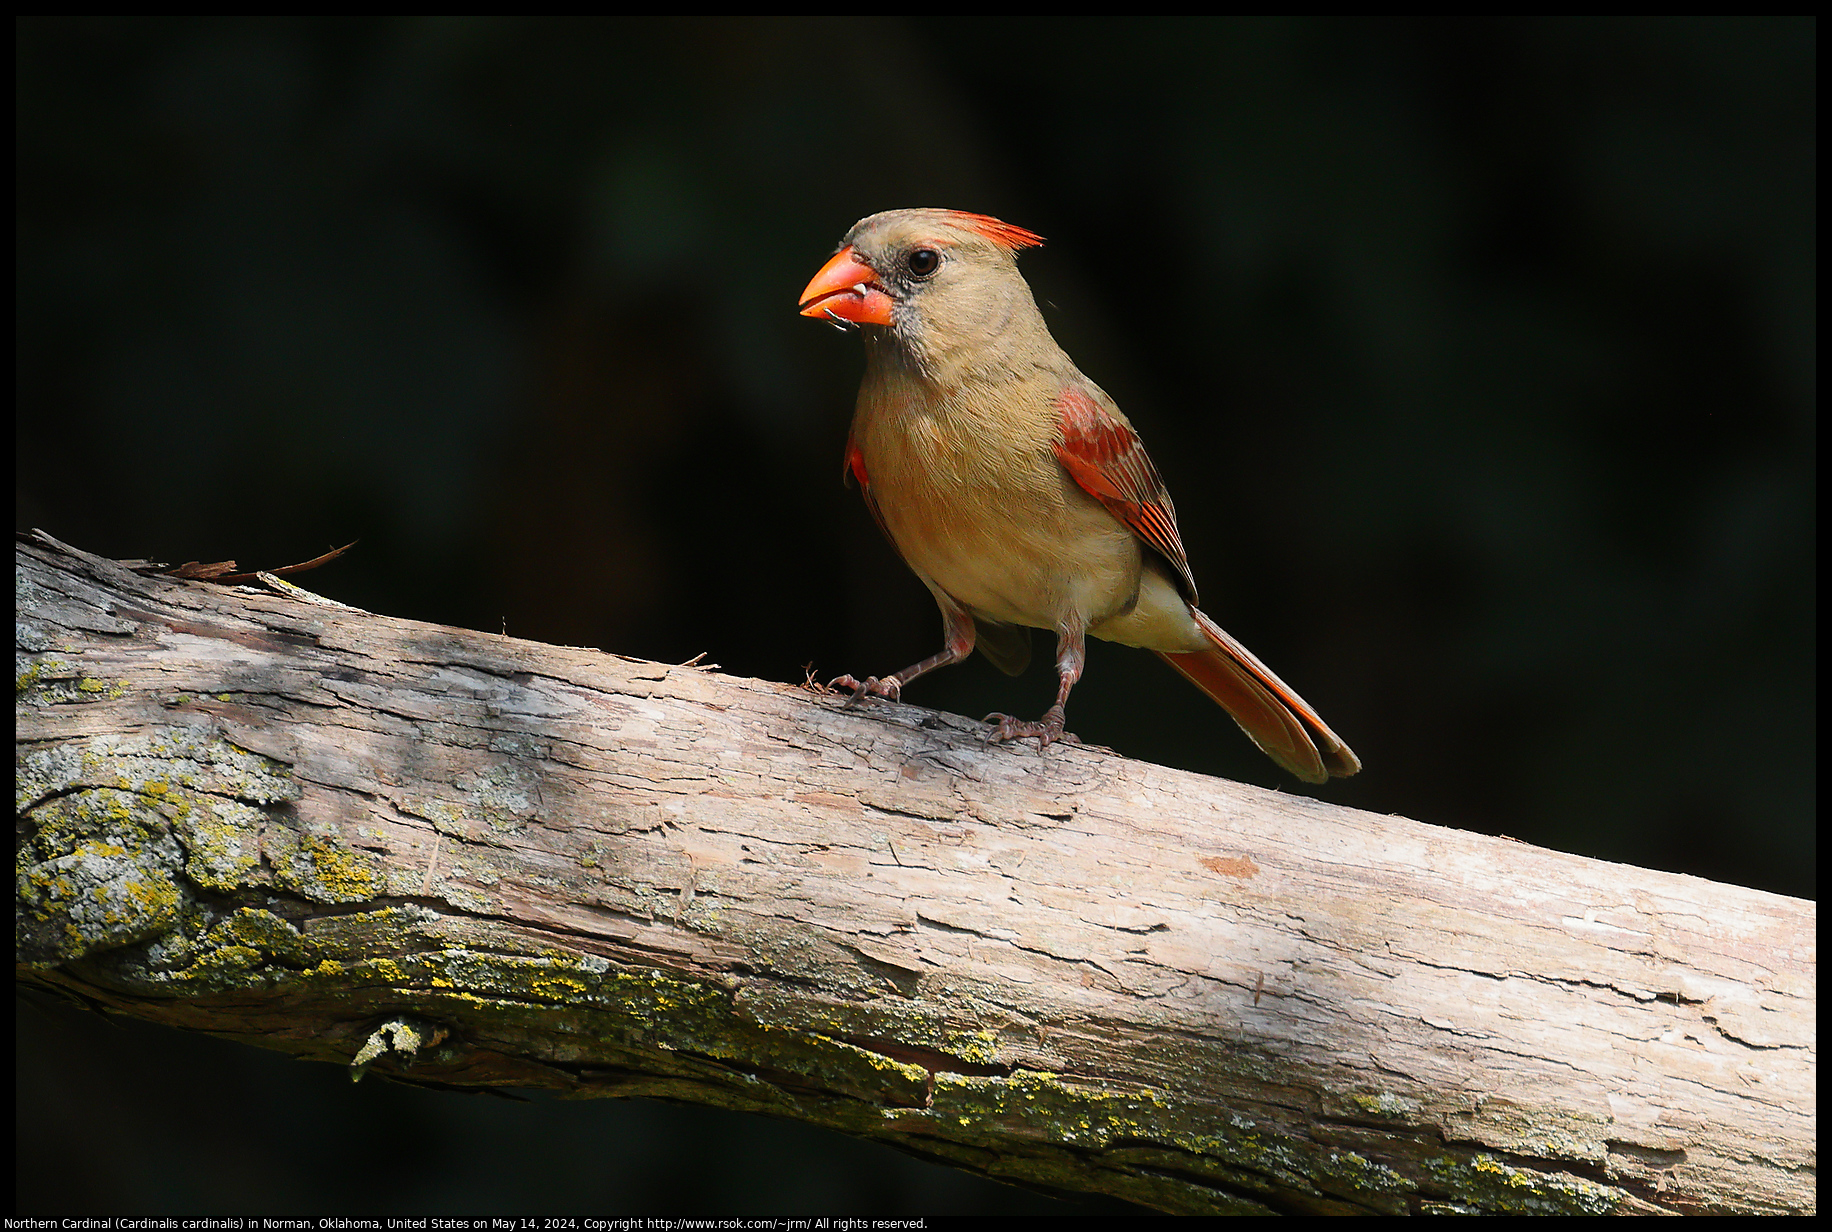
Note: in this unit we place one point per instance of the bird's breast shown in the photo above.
(982, 510)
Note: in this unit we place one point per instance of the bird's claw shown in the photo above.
(1047, 730)
(888, 687)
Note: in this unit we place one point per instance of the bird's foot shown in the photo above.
(889, 687)
(1047, 730)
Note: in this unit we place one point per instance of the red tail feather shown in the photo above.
(1267, 709)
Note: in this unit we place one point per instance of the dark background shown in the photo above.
(1478, 356)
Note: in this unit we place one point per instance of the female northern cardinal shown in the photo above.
(1016, 489)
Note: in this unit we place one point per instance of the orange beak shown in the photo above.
(846, 288)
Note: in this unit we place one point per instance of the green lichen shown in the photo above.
(874, 1015)
(402, 1036)
(558, 987)
(222, 840)
(323, 869)
(85, 816)
(504, 796)
(658, 1012)
(1488, 1184)
(1383, 1104)
(157, 762)
(29, 678)
(1084, 1117)
(125, 829)
(100, 896)
(44, 681)
(265, 932)
(412, 931)
(249, 947)
(224, 965)
(47, 681)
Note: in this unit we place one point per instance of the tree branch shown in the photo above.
(467, 860)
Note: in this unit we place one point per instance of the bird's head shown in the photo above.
(943, 283)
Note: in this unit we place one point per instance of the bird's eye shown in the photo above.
(923, 262)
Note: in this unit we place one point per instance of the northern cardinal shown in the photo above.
(1016, 489)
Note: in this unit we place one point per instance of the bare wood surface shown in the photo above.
(463, 860)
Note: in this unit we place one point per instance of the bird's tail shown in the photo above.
(1267, 709)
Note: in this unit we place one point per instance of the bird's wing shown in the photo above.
(854, 468)
(1105, 457)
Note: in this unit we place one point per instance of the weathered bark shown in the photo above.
(465, 859)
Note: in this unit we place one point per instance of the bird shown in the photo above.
(1015, 488)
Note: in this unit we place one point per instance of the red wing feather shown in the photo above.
(1105, 457)
(854, 468)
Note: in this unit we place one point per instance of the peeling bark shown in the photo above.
(467, 860)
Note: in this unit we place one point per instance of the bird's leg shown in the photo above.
(959, 632)
(1071, 656)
